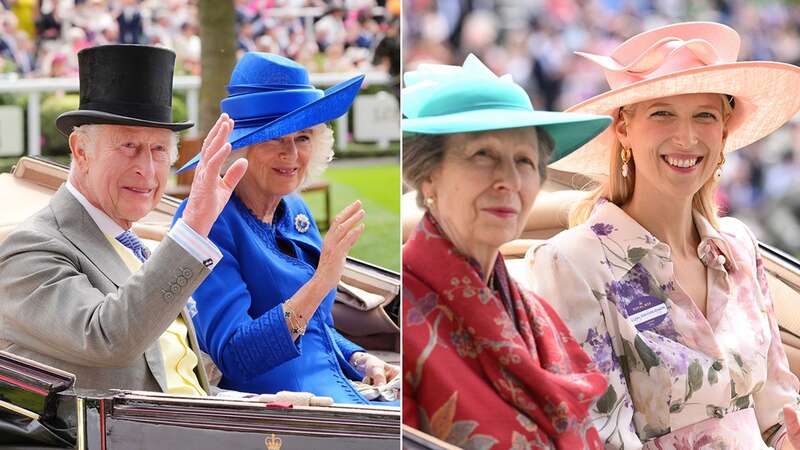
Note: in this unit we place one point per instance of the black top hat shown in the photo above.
(124, 85)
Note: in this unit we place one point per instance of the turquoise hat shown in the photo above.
(442, 99)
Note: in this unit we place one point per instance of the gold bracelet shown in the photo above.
(290, 315)
(295, 325)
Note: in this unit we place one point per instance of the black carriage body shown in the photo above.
(40, 409)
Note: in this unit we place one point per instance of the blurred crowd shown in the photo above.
(534, 41)
(41, 38)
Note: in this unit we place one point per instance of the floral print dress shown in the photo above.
(677, 379)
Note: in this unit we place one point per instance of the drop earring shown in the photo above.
(625, 155)
(718, 172)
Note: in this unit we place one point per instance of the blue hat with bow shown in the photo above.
(270, 96)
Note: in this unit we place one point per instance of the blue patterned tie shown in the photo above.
(130, 240)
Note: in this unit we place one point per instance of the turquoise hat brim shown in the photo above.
(335, 103)
(568, 130)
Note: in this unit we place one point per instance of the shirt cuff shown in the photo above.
(198, 246)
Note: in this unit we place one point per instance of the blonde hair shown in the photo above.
(618, 189)
(321, 152)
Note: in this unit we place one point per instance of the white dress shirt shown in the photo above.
(198, 246)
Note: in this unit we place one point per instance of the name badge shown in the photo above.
(646, 312)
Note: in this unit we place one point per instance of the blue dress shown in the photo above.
(239, 318)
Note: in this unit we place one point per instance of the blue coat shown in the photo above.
(239, 318)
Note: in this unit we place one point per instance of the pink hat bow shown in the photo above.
(667, 50)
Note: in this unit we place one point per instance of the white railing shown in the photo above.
(35, 87)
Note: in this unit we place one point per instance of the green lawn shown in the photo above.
(378, 188)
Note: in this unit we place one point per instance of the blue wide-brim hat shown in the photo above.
(443, 99)
(270, 96)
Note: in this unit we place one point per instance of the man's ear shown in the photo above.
(79, 156)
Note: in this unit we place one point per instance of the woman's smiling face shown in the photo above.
(278, 166)
(676, 142)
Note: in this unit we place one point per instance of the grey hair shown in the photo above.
(87, 134)
(423, 153)
(321, 152)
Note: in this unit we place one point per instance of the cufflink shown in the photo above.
(208, 262)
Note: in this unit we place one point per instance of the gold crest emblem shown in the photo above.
(273, 442)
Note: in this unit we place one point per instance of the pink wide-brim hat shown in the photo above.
(687, 58)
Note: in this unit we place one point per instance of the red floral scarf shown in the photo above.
(472, 375)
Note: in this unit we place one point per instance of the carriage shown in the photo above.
(40, 406)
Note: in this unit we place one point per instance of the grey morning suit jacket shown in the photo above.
(68, 300)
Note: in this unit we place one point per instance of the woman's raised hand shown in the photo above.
(343, 233)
